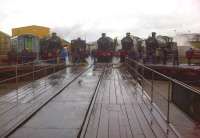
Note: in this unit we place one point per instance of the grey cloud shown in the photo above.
(145, 24)
(91, 34)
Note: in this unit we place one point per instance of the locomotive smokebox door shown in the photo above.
(105, 49)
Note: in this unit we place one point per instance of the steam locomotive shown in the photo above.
(127, 47)
(26, 48)
(160, 47)
(78, 50)
(50, 47)
(105, 49)
(167, 43)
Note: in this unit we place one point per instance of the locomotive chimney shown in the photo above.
(153, 34)
(54, 34)
(103, 34)
(128, 34)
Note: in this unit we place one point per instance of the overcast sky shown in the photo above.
(89, 18)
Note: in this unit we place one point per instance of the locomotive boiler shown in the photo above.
(127, 47)
(105, 49)
(151, 46)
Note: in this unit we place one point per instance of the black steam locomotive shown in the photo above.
(50, 47)
(127, 47)
(160, 48)
(105, 49)
(78, 50)
(151, 46)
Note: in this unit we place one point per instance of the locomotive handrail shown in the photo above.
(167, 77)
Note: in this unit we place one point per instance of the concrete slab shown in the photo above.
(65, 113)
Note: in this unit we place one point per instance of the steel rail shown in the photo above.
(147, 81)
(34, 111)
(42, 83)
(24, 94)
(166, 77)
(85, 123)
(29, 73)
(156, 108)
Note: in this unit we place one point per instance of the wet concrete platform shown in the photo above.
(116, 113)
(62, 117)
(119, 111)
(19, 104)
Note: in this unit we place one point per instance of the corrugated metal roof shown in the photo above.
(31, 26)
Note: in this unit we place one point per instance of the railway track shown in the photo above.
(31, 104)
(115, 105)
(109, 104)
(87, 116)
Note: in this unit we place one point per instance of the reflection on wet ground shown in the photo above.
(63, 115)
(18, 103)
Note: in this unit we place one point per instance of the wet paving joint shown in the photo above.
(62, 116)
(119, 109)
(15, 108)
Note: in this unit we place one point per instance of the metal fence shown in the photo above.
(173, 100)
(25, 93)
(27, 73)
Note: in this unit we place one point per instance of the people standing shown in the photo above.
(164, 56)
(189, 54)
(175, 57)
(158, 55)
(63, 55)
(93, 55)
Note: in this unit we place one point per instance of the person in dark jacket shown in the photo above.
(164, 52)
(189, 53)
(93, 55)
(175, 57)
